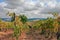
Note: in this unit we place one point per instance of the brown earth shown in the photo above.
(24, 36)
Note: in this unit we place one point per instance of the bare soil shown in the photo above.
(34, 36)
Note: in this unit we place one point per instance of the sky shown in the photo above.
(30, 8)
(1, 0)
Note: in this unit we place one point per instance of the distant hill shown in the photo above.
(6, 19)
(33, 19)
(30, 19)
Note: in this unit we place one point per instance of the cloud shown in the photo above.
(31, 8)
(3, 10)
(3, 4)
(12, 4)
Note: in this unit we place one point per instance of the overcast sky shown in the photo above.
(30, 8)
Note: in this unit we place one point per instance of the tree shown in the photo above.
(23, 18)
(16, 28)
(55, 14)
(12, 16)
